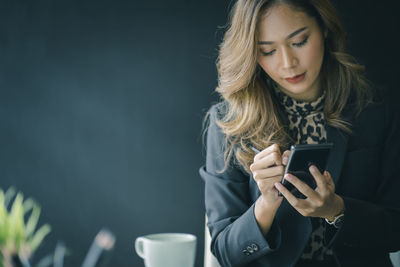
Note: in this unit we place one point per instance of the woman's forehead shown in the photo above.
(280, 21)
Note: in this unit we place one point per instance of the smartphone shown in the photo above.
(300, 159)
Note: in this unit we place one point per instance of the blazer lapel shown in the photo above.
(339, 139)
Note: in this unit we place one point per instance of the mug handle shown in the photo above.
(139, 246)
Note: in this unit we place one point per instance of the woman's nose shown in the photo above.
(288, 60)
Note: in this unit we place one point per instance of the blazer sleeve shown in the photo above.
(236, 238)
(376, 224)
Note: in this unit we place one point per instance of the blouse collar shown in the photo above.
(297, 107)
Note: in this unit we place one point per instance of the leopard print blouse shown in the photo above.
(307, 126)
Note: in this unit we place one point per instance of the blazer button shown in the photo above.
(245, 252)
(254, 247)
(250, 249)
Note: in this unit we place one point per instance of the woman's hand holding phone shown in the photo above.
(322, 202)
(269, 167)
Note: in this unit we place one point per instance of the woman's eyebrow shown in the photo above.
(287, 37)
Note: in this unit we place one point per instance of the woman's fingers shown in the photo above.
(297, 203)
(318, 203)
(267, 169)
(285, 157)
(319, 178)
(269, 172)
(302, 186)
(267, 151)
(328, 178)
(265, 185)
(273, 158)
(324, 181)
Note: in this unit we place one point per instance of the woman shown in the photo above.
(285, 79)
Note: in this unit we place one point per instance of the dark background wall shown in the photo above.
(101, 104)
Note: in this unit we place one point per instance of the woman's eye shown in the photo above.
(301, 43)
(268, 53)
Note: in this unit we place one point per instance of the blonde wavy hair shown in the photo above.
(252, 115)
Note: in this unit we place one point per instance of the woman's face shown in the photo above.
(291, 45)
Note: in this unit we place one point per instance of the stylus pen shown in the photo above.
(254, 149)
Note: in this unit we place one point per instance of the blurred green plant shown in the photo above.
(19, 238)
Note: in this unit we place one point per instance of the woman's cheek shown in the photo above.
(268, 67)
(315, 53)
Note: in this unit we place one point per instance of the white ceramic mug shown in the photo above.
(167, 249)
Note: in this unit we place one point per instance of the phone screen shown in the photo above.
(301, 158)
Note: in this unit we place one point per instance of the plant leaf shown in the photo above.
(3, 220)
(28, 205)
(32, 221)
(16, 237)
(10, 193)
(16, 227)
(38, 237)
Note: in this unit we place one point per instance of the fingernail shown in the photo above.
(313, 168)
(285, 160)
(288, 177)
(277, 185)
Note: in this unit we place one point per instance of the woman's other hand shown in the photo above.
(268, 168)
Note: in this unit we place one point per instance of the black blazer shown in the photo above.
(366, 169)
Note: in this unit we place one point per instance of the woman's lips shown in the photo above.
(296, 79)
